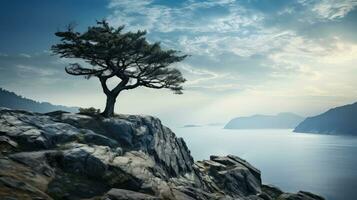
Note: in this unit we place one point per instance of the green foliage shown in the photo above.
(89, 111)
(112, 53)
(126, 55)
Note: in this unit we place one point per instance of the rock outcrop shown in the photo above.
(62, 155)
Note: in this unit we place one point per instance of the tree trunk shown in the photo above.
(109, 107)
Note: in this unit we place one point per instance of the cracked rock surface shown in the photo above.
(63, 155)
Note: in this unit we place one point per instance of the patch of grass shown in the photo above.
(89, 111)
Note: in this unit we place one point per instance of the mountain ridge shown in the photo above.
(340, 120)
(12, 100)
(284, 120)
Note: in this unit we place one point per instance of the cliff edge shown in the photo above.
(62, 155)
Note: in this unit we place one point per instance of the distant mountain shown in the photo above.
(191, 126)
(279, 121)
(202, 125)
(11, 100)
(340, 120)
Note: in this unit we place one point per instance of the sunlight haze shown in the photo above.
(246, 57)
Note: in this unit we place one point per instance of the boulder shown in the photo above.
(271, 191)
(6, 144)
(301, 195)
(230, 175)
(18, 181)
(120, 194)
(139, 133)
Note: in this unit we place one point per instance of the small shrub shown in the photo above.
(89, 111)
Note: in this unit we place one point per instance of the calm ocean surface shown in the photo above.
(323, 164)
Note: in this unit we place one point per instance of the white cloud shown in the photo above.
(206, 79)
(143, 14)
(334, 9)
(138, 14)
(33, 71)
(25, 55)
(292, 59)
(330, 9)
(194, 4)
(290, 72)
(259, 42)
(302, 54)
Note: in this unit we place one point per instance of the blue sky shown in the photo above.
(247, 57)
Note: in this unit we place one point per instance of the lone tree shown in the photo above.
(111, 53)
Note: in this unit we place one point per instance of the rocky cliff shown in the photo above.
(62, 155)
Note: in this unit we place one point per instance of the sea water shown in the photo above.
(322, 164)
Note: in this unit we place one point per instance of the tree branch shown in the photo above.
(137, 84)
(76, 70)
(103, 82)
(120, 86)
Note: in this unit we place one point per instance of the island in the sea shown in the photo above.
(340, 121)
(279, 121)
(191, 126)
(202, 125)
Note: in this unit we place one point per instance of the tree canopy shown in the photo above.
(111, 52)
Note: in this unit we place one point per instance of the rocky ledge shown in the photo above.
(63, 155)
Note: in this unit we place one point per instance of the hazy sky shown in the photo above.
(247, 56)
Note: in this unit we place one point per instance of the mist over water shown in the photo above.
(323, 164)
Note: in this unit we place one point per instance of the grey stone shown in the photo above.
(120, 194)
(141, 133)
(272, 191)
(8, 141)
(73, 156)
(230, 175)
(301, 195)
